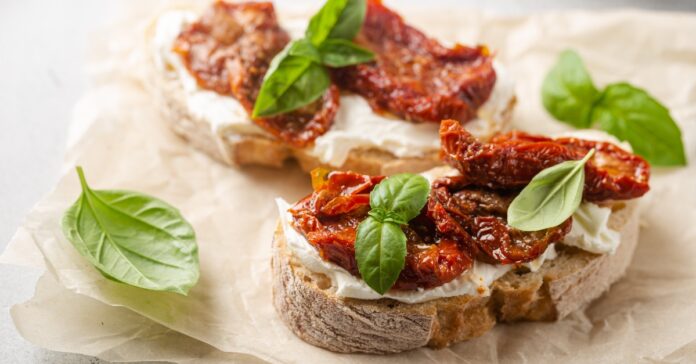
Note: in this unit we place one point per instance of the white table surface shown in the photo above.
(42, 47)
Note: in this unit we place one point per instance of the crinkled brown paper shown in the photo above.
(121, 141)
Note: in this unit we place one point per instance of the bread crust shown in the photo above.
(306, 303)
(235, 149)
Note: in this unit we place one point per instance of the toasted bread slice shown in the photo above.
(306, 301)
(236, 149)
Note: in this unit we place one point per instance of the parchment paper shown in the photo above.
(647, 316)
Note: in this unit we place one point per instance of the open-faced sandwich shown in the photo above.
(352, 88)
(522, 227)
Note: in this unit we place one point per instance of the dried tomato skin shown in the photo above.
(511, 160)
(476, 215)
(329, 217)
(612, 174)
(343, 193)
(242, 37)
(433, 265)
(229, 49)
(413, 76)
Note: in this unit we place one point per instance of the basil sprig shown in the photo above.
(133, 238)
(550, 198)
(380, 244)
(297, 76)
(627, 112)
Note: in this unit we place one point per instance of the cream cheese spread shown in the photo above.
(591, 230)
(356, 125)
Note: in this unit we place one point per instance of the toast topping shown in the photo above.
(466, 216)
(415, 77)
(511, 160)
(229, 49)
(459, 224)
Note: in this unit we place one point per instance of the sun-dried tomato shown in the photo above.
(511, 160)
(433, 265)
(413, 76)
(232, 41)
(478, 215)
(458, 224)
(330, 215)
(613, 173)
(228, 50)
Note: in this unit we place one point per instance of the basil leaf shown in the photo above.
(336, 19)
(290, 83)
(403, 194)
(350, 21)
(568, 92)
(380, 244)
(296, 76)
(380, 251)
(304, 48)
(550, 198)
(631, 114)
(341, 53)
(133, 238)
(321, 24)
(383, 215)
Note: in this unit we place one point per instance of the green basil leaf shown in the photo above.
(133, 238)
(631, 114)
(383, 215)
(336, 19)
(568, 92)
(380, 251)
(321, 24)
(350, 21)
(403, 194)
(550, 198)
(290, 83)
(341, 53)
(304, 48)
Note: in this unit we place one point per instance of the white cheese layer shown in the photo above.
(223, 113)
(591, 230)
(356, 125)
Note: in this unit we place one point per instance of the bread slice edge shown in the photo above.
(305, 301)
